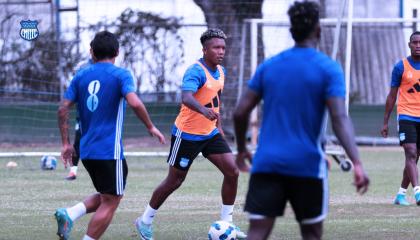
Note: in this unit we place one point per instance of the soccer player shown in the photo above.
(406, 84)
(77, 134)
(297, 86)
(76, 155)
(198, 129)
(101, 92)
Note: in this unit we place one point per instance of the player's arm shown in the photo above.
(140, 110)
(219, 126)
(343, 129)
(396, 77)
(63, 124)
(248, 101)
(189, 100)
(389, 106)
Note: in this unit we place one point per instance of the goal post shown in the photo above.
(348, 40)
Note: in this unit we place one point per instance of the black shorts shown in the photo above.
(268, 194)
(108, 176)
(409, 132)
(183, 152)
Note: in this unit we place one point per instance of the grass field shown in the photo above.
(29, 197)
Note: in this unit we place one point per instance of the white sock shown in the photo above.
(76, 211)
(226, 213)
(402, 191)
(86, 237)
(148, 215)
(73, 170)
(416, 189)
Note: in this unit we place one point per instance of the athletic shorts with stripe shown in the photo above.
(409, 132)
(268, 194)
(108, 176)
(183, 152)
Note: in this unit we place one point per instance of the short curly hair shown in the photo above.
(304, 16)
(413, 34)
(212, 33)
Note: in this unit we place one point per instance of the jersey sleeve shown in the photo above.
(127, 83)
(194, 78)
(397, 73)
(256, 82)
(71, 92)
(335, 85)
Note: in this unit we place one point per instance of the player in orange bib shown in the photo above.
(197, 129)
(406, 84)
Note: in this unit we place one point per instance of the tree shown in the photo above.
(29, 69)
(229, 16)
(150, 46)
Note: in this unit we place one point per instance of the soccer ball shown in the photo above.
(48, 162)
(11, 164)
(222, 230)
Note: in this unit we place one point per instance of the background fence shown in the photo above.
(157, 48)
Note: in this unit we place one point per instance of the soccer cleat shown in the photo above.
(240, 234)
(401, 200)
(65, 224)
(71, 176)
(417, 197)
(145, 230)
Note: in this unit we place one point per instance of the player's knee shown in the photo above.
(233, 172)
(111, 200)
(177, 182)
(411, 156)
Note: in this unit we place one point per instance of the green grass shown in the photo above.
(29, 197)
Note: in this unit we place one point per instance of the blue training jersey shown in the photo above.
(396, 77)
(294, 86)
(99, 92)
(194, 78)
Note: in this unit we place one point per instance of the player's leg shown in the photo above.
(75, 158)
(311, 231)
(401, 198)
(405, 131)
(260, 227)
(67, 216)
(218, 152)
(226, 164)
(309, 214)
(103, 215)
(109, 178)
(266, 199)
(181, 156)
(408, 140)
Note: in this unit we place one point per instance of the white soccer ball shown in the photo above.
(11, 164)
(222, 230)
(48, 162)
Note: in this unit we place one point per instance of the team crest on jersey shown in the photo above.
(29, 30)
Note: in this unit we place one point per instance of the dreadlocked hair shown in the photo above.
(304, 16)
(212, 33)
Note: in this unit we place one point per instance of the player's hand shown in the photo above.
(384, 131)
(361, 180)
(153, 131)
(210, 113)
(241, 163)
(67, 151)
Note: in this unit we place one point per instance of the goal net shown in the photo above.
(375, 45)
